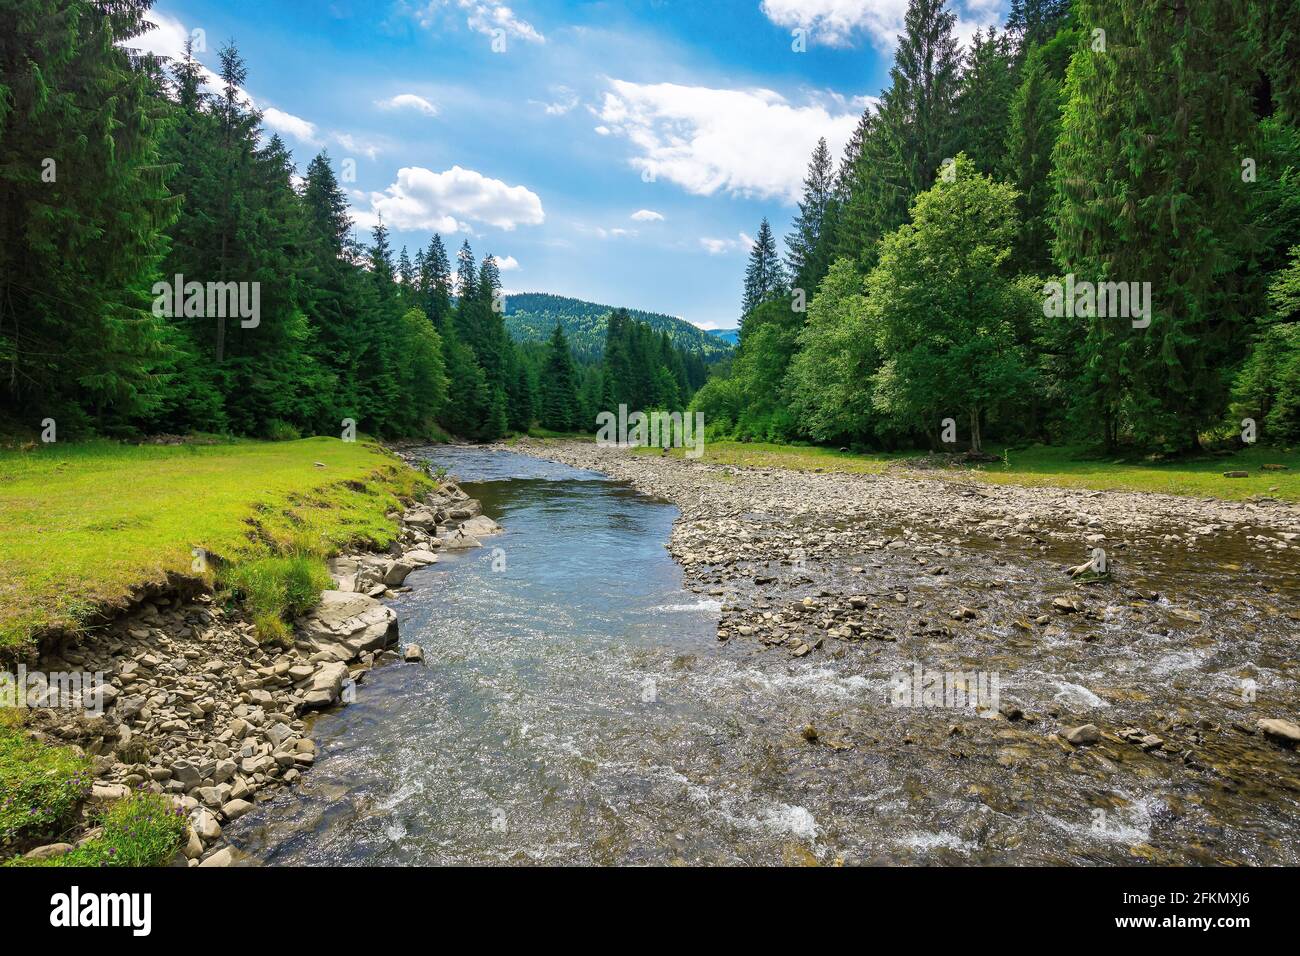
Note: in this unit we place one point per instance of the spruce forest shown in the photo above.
(1107, 141)
(158, 176)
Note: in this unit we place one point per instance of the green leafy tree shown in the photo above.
(830, 378)
(950, 318)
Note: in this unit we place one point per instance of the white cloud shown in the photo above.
(564, 102)
(647, 215)
(718, 247)
(507, 263)
(446, 201)
(746, 142)
(408, 101)
(354, 145)
(839, 22)
(482, 16)
(168, 39)
(295, 126)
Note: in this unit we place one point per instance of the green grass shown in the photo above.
(1039, 465)
(40, 786)
(85, 524)
(145, 829)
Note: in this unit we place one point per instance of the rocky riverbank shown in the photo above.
(1161, 696)
(194, 706)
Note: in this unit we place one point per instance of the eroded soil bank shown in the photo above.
(182, 698)
(1174, 659)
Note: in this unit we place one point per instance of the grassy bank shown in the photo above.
(85, 524)
(1064, 467)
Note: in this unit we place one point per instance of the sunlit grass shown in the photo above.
(85, 524)
(1059, 466)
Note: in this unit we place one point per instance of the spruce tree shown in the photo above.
(82, 202)
(808, 244)
(1149, 189)
(987, 86)
(764, 276)
(559, 405)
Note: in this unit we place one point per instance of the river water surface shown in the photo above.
(576, 707)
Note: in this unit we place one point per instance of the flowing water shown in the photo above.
(576, 707)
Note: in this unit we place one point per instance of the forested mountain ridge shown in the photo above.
(532, 316)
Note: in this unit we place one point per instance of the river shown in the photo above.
(577, 708)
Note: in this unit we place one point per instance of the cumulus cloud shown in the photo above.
(295, 126)
(507, 263)
(408, 101)
(647, 215)
(745, 142)
(718, 247)
(481, 16)
(840, 22)
(448, 201)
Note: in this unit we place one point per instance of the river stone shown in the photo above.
(458, 540)
(344, 624)
(1283, 731)
(236, 809)
(108, 792)
(414, 654)
(204, 823)
(420, 557)
(465, 509)
(326, 685)
(223, 857)
(344, 572)
(481, 526)
(397, 572)
(1081, 736)
(422, 517)
(51, 850)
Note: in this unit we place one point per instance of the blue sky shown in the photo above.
(618, 152)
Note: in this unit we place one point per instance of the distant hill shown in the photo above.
(531, 317)
(730, 336)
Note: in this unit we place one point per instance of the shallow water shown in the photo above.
(576, 707)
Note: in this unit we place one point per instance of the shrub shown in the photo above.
(145, 829)
(277, 589)
(277, 430)
(40, 787)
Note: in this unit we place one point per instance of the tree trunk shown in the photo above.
(975, 431)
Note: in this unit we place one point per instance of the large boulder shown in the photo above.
(420, 557)
(344, 572)
(397, 571)
(326, 685)
(481, 526)
(458, 540)
(464, 509)
(421, 516)
(346, 624)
